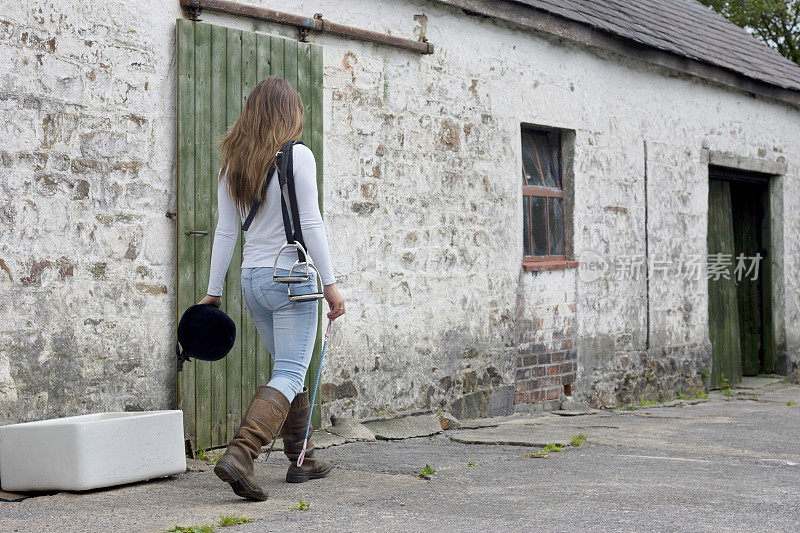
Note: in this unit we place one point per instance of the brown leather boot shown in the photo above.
(262, 420)
(293, 433)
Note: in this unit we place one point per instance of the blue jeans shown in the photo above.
(288, 329)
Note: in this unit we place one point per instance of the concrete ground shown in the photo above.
(729, 463)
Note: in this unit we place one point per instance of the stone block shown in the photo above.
(501, 401)
(351, 430)
(405, 428)
(473, 405)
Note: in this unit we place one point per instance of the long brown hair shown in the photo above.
(272, 116)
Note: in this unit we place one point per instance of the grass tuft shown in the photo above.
(226, 520)
(302, 506)
(578, 440)
(647, 402)
(790, 403)
(472, 464)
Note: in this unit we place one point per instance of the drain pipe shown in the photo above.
(305, 24)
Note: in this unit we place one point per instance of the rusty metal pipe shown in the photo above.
(317, 23)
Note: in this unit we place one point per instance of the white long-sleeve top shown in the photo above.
(266, 234)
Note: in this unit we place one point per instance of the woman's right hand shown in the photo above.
(335, 301)
(216, 301)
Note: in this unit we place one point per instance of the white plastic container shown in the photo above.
(91, 451)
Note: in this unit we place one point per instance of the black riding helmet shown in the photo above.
(205, 333)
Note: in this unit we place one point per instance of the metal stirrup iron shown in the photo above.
(292, 277)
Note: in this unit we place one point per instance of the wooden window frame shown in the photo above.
(546, 262)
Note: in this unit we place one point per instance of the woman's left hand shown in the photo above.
(216, 301)
(335, 301)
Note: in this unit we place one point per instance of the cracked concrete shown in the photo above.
(729, 463)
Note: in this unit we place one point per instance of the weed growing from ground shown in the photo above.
(544, 452)
(302, 506)
(682, 394)
(426, 471)
(203, 455)
(700, 395)
(790, 403)
(472, 464)
(535, 455)
(578, 440)
(226, 520)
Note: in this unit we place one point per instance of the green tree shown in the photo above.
(776, 22)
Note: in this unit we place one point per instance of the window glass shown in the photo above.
(556, 212)
(530, 167)
(555, 157)
(540, 159)
(539, 224)
(526, 225)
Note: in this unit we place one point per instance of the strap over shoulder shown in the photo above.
(284, 162)
(291, 214)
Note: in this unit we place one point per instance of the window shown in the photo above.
(543, 200)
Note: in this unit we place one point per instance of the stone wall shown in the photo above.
(422, 204)
(86, 181)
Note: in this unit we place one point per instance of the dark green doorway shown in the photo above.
(739, 306)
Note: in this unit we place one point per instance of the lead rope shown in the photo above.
(302, 456)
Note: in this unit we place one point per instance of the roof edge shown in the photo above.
(529, 17)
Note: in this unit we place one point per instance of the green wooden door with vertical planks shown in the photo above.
(217, 68)
(723, 309)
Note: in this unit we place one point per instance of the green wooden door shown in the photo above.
(723, 310)
(217, 68)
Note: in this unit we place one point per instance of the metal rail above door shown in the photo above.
(304, 24)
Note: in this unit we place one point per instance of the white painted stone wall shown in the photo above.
(87, 164)
(422, 204)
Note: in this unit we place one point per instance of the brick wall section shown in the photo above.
(545, 376)
(547, 361)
